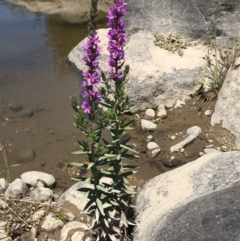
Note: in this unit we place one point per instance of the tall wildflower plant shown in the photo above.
(110, 193)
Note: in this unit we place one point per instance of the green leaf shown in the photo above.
(103, 189)
(91, 164)
(110, 155)
(97, 214)
(78, 164)
(128, 148)
(80, 152)
(100, 206)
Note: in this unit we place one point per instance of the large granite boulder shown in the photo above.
(189, 18)
(227, 109)
(73, 11)
(156, 75)
(198, 201)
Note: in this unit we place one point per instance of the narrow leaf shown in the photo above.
(100, 207)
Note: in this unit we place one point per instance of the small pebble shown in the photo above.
(208, 112)
(173, 137)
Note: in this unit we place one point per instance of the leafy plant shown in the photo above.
(5, 172)
(110, 193)
(223, 60)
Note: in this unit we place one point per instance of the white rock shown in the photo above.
(148, 125)
(149, 138)
(162, 113)
(41, 194)
(70, 216)
(3, 205)
(210, 150)
(50, 223)
(179, 104)
(208, 112)
(192, 132)
(38, 215)
(88, 239)
(32, 177)
(106, 180)
(78, 236)
(3, 183)
(66, 231)
(173, 137)
(150, 114)
(170, 103)
(15, 189)
(153, 149)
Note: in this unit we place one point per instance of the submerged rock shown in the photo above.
(26, 155)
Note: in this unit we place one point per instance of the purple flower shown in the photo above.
(117, 38)
(91, 75)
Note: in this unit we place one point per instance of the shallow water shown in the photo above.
(34, 73)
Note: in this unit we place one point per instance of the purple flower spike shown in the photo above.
(117, 38)
(91, 75)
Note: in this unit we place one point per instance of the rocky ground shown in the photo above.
(159, 137)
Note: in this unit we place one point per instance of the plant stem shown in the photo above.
(5, 158)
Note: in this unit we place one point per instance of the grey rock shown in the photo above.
(148, 125)
(32, 177)
(189, 18)
(15, 107)
(3, 235)
(74, 196)
(38, 215)
(41, 194)
(78, 236)
(3, 183)
(156, 75)
(26, 113)
(70, 228)
(153, 149)
(172, 162)
(25, 155)
(15, 189)
(192, 132)
(198, 201)
(50, 223)
(227, 109)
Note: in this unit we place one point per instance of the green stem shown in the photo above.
(5, 158)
